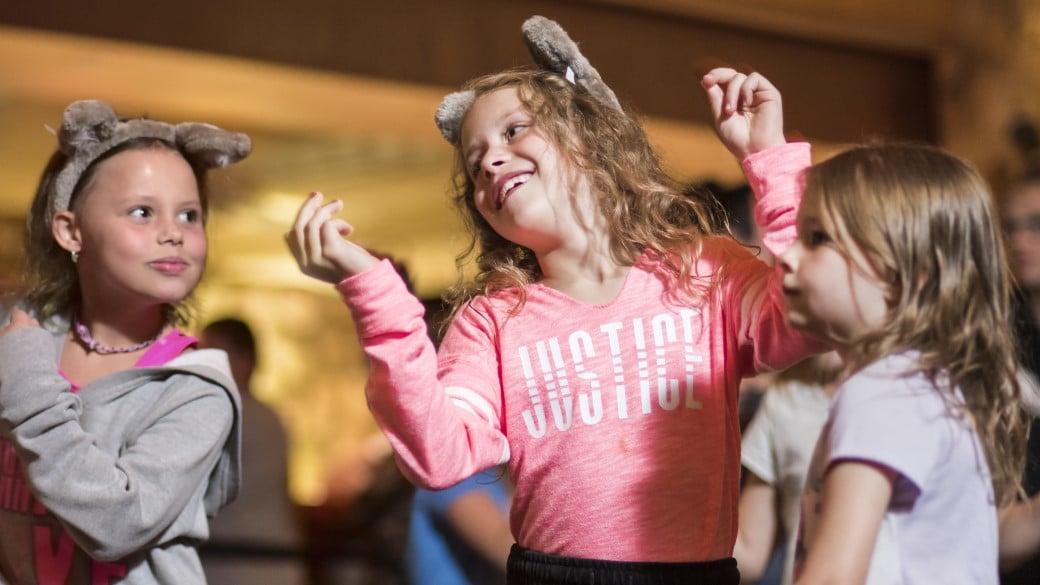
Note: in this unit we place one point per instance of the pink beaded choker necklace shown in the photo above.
(92, 344)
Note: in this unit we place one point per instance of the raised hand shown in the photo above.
(318, 242)
(747, 110)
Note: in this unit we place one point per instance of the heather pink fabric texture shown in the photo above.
(618, 422)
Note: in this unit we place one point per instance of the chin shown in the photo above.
(808, 327)
(797, 321)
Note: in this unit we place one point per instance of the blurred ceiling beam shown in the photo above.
(648, 56)
(877, 24)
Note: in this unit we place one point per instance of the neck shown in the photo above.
(590, 278)
(120, 329)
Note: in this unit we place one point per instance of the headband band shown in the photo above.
(90, 128)
(552, 49)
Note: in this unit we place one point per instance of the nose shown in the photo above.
(493, 159)
(789, 258)
(171, 232)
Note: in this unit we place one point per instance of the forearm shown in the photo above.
(437, 443)
(113, 496)
(756, 534)
(1019, 533)
(853, 504)
(776, 176)
(477, 519)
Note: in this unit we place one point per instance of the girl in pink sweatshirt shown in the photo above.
(598, 351)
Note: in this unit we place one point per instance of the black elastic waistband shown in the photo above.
(528, 567)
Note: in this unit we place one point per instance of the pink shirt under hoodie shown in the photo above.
(618, 422)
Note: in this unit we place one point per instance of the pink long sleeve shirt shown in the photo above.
(618, 422)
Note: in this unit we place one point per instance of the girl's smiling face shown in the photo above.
(831, 289)
(521, 183)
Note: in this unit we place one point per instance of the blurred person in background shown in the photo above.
(1020, 212)
(256, 539)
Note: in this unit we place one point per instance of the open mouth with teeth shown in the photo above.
(509, 186)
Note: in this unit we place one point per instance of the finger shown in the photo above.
(313, 241)
(714, 94)
(341, 227)
(759, 90)
(705, 64)
(719, 75)
(310, 205)
(748, 91)
(295, 237)
(733, 88)
(714, 83)
(334, 230)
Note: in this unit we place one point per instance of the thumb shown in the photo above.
(335, 229)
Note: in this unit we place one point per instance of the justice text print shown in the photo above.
(589, 363)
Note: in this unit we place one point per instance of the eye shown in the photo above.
(141, 212)
(1029, 224)
(817, 238)
(515, 130)
(190, 216)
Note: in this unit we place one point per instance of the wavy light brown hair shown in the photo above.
(927, 223)
(645, 208)
(50, 281)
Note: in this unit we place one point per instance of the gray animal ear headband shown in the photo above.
(90, 128)
(551, 49)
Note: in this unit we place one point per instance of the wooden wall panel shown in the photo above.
(832, 92)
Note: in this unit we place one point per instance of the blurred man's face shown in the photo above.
(1021, 217)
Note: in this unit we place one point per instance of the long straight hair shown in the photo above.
(927, 223)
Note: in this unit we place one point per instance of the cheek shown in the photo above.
(875, 298)
(809, 271)
(120, 242)
(480, 199)
(196, 243)
(484, 206)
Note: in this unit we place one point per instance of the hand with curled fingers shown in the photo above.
(747, 110)
(19, 320)
(318, 242)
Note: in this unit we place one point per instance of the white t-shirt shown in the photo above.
(941, 524)
(778, 445)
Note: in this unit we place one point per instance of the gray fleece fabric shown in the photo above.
(113, 483)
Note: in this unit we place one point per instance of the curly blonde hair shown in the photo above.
(926, 222)
(645, 208)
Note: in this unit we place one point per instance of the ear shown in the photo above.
(65, 229)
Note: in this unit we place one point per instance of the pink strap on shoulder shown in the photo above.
(165, 349)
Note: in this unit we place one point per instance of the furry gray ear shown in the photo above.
(552, 49)
(86, 123)
(90, 128)
(211, 147)
(450, 113)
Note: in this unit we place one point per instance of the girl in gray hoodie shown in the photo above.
(117, 438)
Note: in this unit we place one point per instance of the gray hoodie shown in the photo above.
(113, 483)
